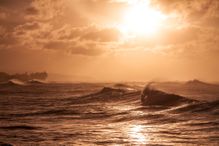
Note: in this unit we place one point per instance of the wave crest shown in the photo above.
(151, 96)
(14, 82)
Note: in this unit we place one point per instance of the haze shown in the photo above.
(111, 40)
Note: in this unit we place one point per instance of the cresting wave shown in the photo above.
(199, 107)
(152, 96)
(148, 97)
(13, 82)
(16, 82)
(108, 94)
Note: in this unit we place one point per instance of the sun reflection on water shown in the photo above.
(136, 134)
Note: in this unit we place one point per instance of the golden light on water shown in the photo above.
(141, 19)
(136, 134)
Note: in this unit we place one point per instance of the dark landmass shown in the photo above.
(4, 77)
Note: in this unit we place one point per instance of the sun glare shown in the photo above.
(141, 19)
(136, 134)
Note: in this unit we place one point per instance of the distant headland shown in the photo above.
(4, 77)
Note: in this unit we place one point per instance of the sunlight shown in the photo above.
(141, 19)
(137, 135)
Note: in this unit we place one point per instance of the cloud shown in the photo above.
(78, 26)
(43, 25)
(88, 50)
(102, 35)
(195, 11)
(29, 26)
(75, 48)
(32, 11)
(10, 4)
(56, 45)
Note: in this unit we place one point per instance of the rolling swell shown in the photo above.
(52, 112)
(13, 82)
(19, 127)
(108, 94)
(158, 100)
(177, 103)
(200, 107)
(151, 96)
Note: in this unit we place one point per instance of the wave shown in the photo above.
(107, 90)
(108, 94)
(121, 85)
(125, 86)
(200, 107)
(152, 96)
(149, 97)
(36, 82)
(51, 112)
(19, 127)
(14, 82)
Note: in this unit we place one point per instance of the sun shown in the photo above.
(141, 19)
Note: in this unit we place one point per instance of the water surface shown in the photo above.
(87, 114)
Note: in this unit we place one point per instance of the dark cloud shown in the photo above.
(46, 25)
(10, 4)
(32, 11)
(12, 13)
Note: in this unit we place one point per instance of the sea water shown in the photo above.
(89, 114)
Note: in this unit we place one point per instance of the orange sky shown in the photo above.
(111, 40)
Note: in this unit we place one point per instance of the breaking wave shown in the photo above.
(108, 94)
(14, 82)
(152, 96)
(35, 81)
(199, 107)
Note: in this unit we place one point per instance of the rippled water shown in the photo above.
(84, 114)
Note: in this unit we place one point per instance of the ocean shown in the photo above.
(107, 114)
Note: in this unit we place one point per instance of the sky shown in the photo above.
(111, 40)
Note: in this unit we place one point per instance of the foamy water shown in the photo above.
(87, 114)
